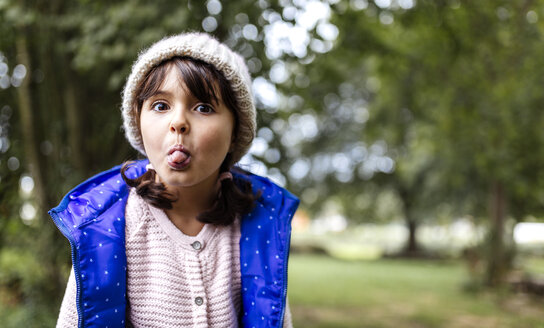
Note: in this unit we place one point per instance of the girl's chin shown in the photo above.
(172, 183)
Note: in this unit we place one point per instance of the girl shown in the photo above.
(183, 238)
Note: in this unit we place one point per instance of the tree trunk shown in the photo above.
(27, 124)
(44, 243)
(412, 246)
(74, 121)
(496, 260)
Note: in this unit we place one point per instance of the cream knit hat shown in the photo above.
(206, 48)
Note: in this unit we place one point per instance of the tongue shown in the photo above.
(177, 157)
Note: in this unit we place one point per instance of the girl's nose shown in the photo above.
(179, 123)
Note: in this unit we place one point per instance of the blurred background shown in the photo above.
(412, 131)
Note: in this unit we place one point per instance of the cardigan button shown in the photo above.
(199, 301)
(196, 245)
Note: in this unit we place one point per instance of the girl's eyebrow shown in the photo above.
(161, 93)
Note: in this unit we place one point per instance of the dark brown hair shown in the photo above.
(203, 81)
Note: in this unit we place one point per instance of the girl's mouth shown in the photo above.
(178, 157)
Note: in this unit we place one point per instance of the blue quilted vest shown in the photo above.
(92, 217)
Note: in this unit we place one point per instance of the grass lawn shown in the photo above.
(325, 292)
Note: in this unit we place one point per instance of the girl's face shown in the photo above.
(185, 139)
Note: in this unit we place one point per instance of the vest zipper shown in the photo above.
(284, 292)
(75, 262)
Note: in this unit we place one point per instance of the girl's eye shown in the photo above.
(204, 109)
(159, 107)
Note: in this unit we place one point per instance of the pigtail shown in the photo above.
(149, 189)
(235, 198)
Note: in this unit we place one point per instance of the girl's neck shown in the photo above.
(191, 201)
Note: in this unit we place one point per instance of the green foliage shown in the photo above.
(20, 268)
(23, 299)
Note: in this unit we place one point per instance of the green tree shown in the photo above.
(448, 89)
(462, 77)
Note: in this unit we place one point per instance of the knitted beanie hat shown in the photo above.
(206, 48)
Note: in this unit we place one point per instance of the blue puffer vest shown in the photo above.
(92, 217)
